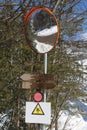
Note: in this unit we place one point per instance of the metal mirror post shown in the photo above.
(41, 32)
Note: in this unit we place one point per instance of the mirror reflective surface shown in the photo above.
(41, 31)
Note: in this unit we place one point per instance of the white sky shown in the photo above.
(84, 36)
(80, 36)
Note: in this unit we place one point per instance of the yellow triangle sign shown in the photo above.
(38, 110)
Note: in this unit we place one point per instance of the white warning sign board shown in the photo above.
(39, 113)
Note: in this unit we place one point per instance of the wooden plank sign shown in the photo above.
(43, 81)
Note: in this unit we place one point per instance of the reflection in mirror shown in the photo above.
(41, 31)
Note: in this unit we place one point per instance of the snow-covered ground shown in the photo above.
(5, 120)
(75, 118)
(84, 69)
(48, 31)
(43, 47)
(71, 122)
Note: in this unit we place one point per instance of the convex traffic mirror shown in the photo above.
(41, 29)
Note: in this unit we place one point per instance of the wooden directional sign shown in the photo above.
(43, 85)
(38, 112)
(42, 81)
(26, 81)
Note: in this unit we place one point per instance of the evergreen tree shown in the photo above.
(16, 58)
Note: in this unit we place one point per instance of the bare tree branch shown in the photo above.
(56, 5)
